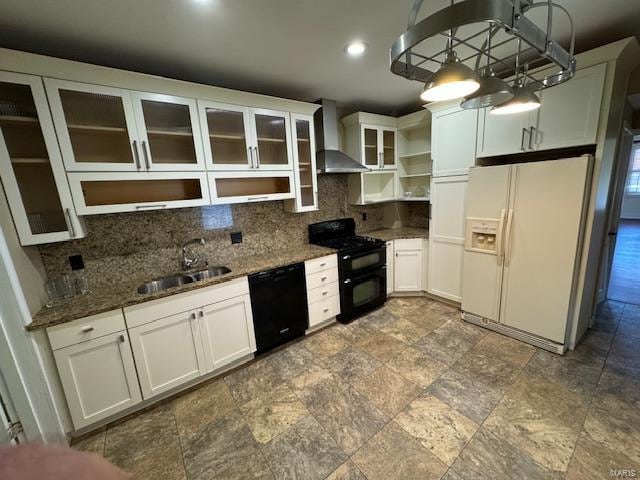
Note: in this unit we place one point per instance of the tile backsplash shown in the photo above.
(129, 247)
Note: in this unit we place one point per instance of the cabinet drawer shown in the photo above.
(323, 292)
(319, 264)
(408, 244)
(320, 279)
(323, 310)
(85, 329)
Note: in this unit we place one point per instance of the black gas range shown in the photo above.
(362, 265)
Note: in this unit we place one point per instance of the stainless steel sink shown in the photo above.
(179, 279)
(210, 272)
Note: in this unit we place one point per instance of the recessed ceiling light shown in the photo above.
(355, 49)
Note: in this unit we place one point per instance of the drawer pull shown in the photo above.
(322, 264)
(87, 329)
(324, 293)
(323, 278)
(325, 310)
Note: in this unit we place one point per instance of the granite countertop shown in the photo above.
(123, 295)
(387, 234)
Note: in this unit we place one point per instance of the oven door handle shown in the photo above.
(348, 280)
(346, 257)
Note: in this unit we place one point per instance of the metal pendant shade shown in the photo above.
(493, 91)
(524, 100)
(452, 80)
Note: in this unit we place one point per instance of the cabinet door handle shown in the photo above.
(532, 132)
(265, 197)
(87, 329)
(348, 280)
(121, 338)
(201, 313)
(146, 155)
(136, 155)
(192, 316)
(346, 257)
(157, 205)
(524, 130)
(250, 157)
(257, 157)
(67, 216)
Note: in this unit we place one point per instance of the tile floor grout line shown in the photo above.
(593, 393)
(175, 421)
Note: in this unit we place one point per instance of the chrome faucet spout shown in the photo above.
(189, 256)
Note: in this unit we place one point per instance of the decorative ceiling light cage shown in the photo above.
(512, 57)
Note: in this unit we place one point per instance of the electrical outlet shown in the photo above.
(76, 262)
(236, 237)
(364, 217)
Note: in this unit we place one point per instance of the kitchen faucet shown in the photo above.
(189, 255)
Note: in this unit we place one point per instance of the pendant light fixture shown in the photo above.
(524, 100)
(511, 89)
(452, 80)
(493, 90)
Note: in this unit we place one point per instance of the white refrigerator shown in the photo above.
(523, 237)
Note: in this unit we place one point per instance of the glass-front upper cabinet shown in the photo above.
(379, 148)
(370, 147)
(31, 166)
(241, 138)
(95, 126)
(272, 139)
(389, 150)
(304, 164)
(168, 132)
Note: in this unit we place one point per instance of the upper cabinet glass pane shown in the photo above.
(227, 136)
(97, 127)
(370, 146)
(389, 147)
(272, 140)
(29, 158)
(304, 162)
(170, 132)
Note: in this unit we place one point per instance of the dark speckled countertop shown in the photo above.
(124, 295)
(387, 234)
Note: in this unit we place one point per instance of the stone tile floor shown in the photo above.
(408, 392)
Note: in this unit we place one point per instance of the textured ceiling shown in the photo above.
(288, 48)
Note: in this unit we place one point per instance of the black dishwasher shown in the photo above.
(279, 304)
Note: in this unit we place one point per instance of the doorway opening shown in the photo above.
(624, 282)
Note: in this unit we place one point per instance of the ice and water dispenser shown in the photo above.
(482, 235)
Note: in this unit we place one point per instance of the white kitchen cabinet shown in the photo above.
(504, 134)
(407, 265)
(95, 125)
(226, 329)
(255, 186)
(243, 138)
(390, 267)
(168, 131)
(112, 192)
(98, 377)
(168, 352)
(304, 165)
(570, 112)
(453, 141)
(446, 236)
(568, 117)
(31, 166)
(378, 147)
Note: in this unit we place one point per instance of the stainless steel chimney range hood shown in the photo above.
(329, 158)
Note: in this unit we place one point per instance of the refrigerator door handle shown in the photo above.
(507, 239)
(500, 239)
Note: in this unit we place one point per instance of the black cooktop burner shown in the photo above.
(345, 243)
